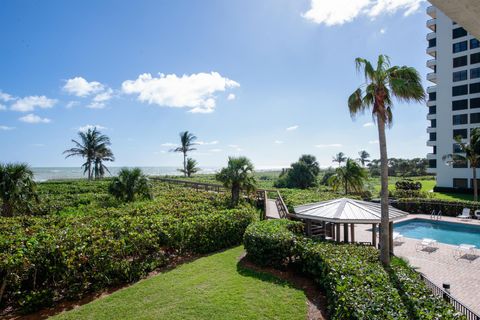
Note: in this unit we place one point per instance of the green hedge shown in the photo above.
(356, 284)
(426, 206)
(46, 259)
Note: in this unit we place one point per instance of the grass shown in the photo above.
(212, 287)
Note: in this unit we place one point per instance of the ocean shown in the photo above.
(60, 173)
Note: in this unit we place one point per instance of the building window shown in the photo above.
(460, 164)
(459, 90)
(434, 151)
(471, 182)
(460, 61)
(460, 75)
(474, 73)
(458, 33)
(474, 103)
(474, 87)
(457, 148)
(475, 58)
(433, 136)
(432, 163)
(432, 43)
(459, 46)
(433, 123)
(460, 183)
(460, 104)
(460, 132)
(432, 110)
(432, 96)
(474, 117)
(474, 43)
(460, 119)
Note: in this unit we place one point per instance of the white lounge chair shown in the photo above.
(465, 214)
(477, 214)
(426, 244)
(466, 251)
(397, 237)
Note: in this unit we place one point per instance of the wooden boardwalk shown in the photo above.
(272, 210)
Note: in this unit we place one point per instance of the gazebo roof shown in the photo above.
(346, 210)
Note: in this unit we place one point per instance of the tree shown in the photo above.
(350, 177)
(363, 157)
(17, 188)
(94, 147)
(301, 174)
(382, 84)
(468, 152)
(191, 167)
(130, 184)
(339, 158)
(187, 141)
(237, 176)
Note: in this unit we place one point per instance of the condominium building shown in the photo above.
(454, 97)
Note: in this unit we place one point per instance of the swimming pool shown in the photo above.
(442, 231)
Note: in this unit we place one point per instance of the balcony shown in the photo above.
(431, 35)
(432, 89)
(432, 12)
(432, 63)
(432, 51)
(431, 156)
(431, 129)
(432, 77)
(432, 24)
(431, 170)
(431, 143)
(431, 116)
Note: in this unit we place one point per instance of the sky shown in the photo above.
(266, 79)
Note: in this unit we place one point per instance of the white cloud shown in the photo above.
(278, 142)
(231, 96)
(27, 104)
(292, 128)
(215, 150)
(104, 96)
(195, 91)
(5, 97)
(338, 12)
(383, 31)
(373, 142)
(32, 118)
(168, 144)
(368, 124)
(207, 143)
(6, 128)
(72, 104)
(80, 87)
(331, 145)
(3, 107)
(86, 127)
(96, 105)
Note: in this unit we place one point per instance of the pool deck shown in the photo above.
(440, 266)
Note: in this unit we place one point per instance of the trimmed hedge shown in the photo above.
(356, 284)
(426, 206)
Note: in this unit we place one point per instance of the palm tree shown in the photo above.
(340, 158)
(363, 157)
(187, 140)
(94, 148)
(17, 188)
(129, 184)
(351, 177)
(191, 167)
(468, 152)
(382, 84)
(237, 176)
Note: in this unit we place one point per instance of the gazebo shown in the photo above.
(347, 212)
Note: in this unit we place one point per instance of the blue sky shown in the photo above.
(267, 79)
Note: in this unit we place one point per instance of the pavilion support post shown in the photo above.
(390, 237)
(374, 234)
(332, 231)
(309, 228)
(337, 232)
(345, 232)
(352, 232)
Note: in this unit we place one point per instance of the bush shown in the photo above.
(408, 184)
(426, 206)
(399, 194)
(301, 174)
(356, 284)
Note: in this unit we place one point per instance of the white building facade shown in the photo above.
(454, 97)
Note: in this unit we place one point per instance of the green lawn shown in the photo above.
(213, 287)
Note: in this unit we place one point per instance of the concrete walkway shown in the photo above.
(272, 210)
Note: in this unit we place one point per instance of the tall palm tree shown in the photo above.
(382, 84)
(129, 184)
(17, 188)
(191, 168)
(94, 147)
(469, 152)
(339, 158)
(351, 177)
(363, 157)
(187, 141)
(237, 176)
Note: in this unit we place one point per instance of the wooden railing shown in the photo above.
(281, 207)
(198, 186)
(436, 290)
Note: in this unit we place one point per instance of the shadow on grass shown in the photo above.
(401, 291)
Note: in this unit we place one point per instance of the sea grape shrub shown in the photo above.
(408, 184)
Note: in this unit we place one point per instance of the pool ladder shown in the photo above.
(436, 216)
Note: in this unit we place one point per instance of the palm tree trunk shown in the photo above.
(235, 195)
(7, 210)
(384, 221)
(185, 164)
(475, 184)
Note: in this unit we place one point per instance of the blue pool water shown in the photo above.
(445, 232)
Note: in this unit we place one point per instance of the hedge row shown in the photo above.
(356, 284)
(46, 259)
(426, 206)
